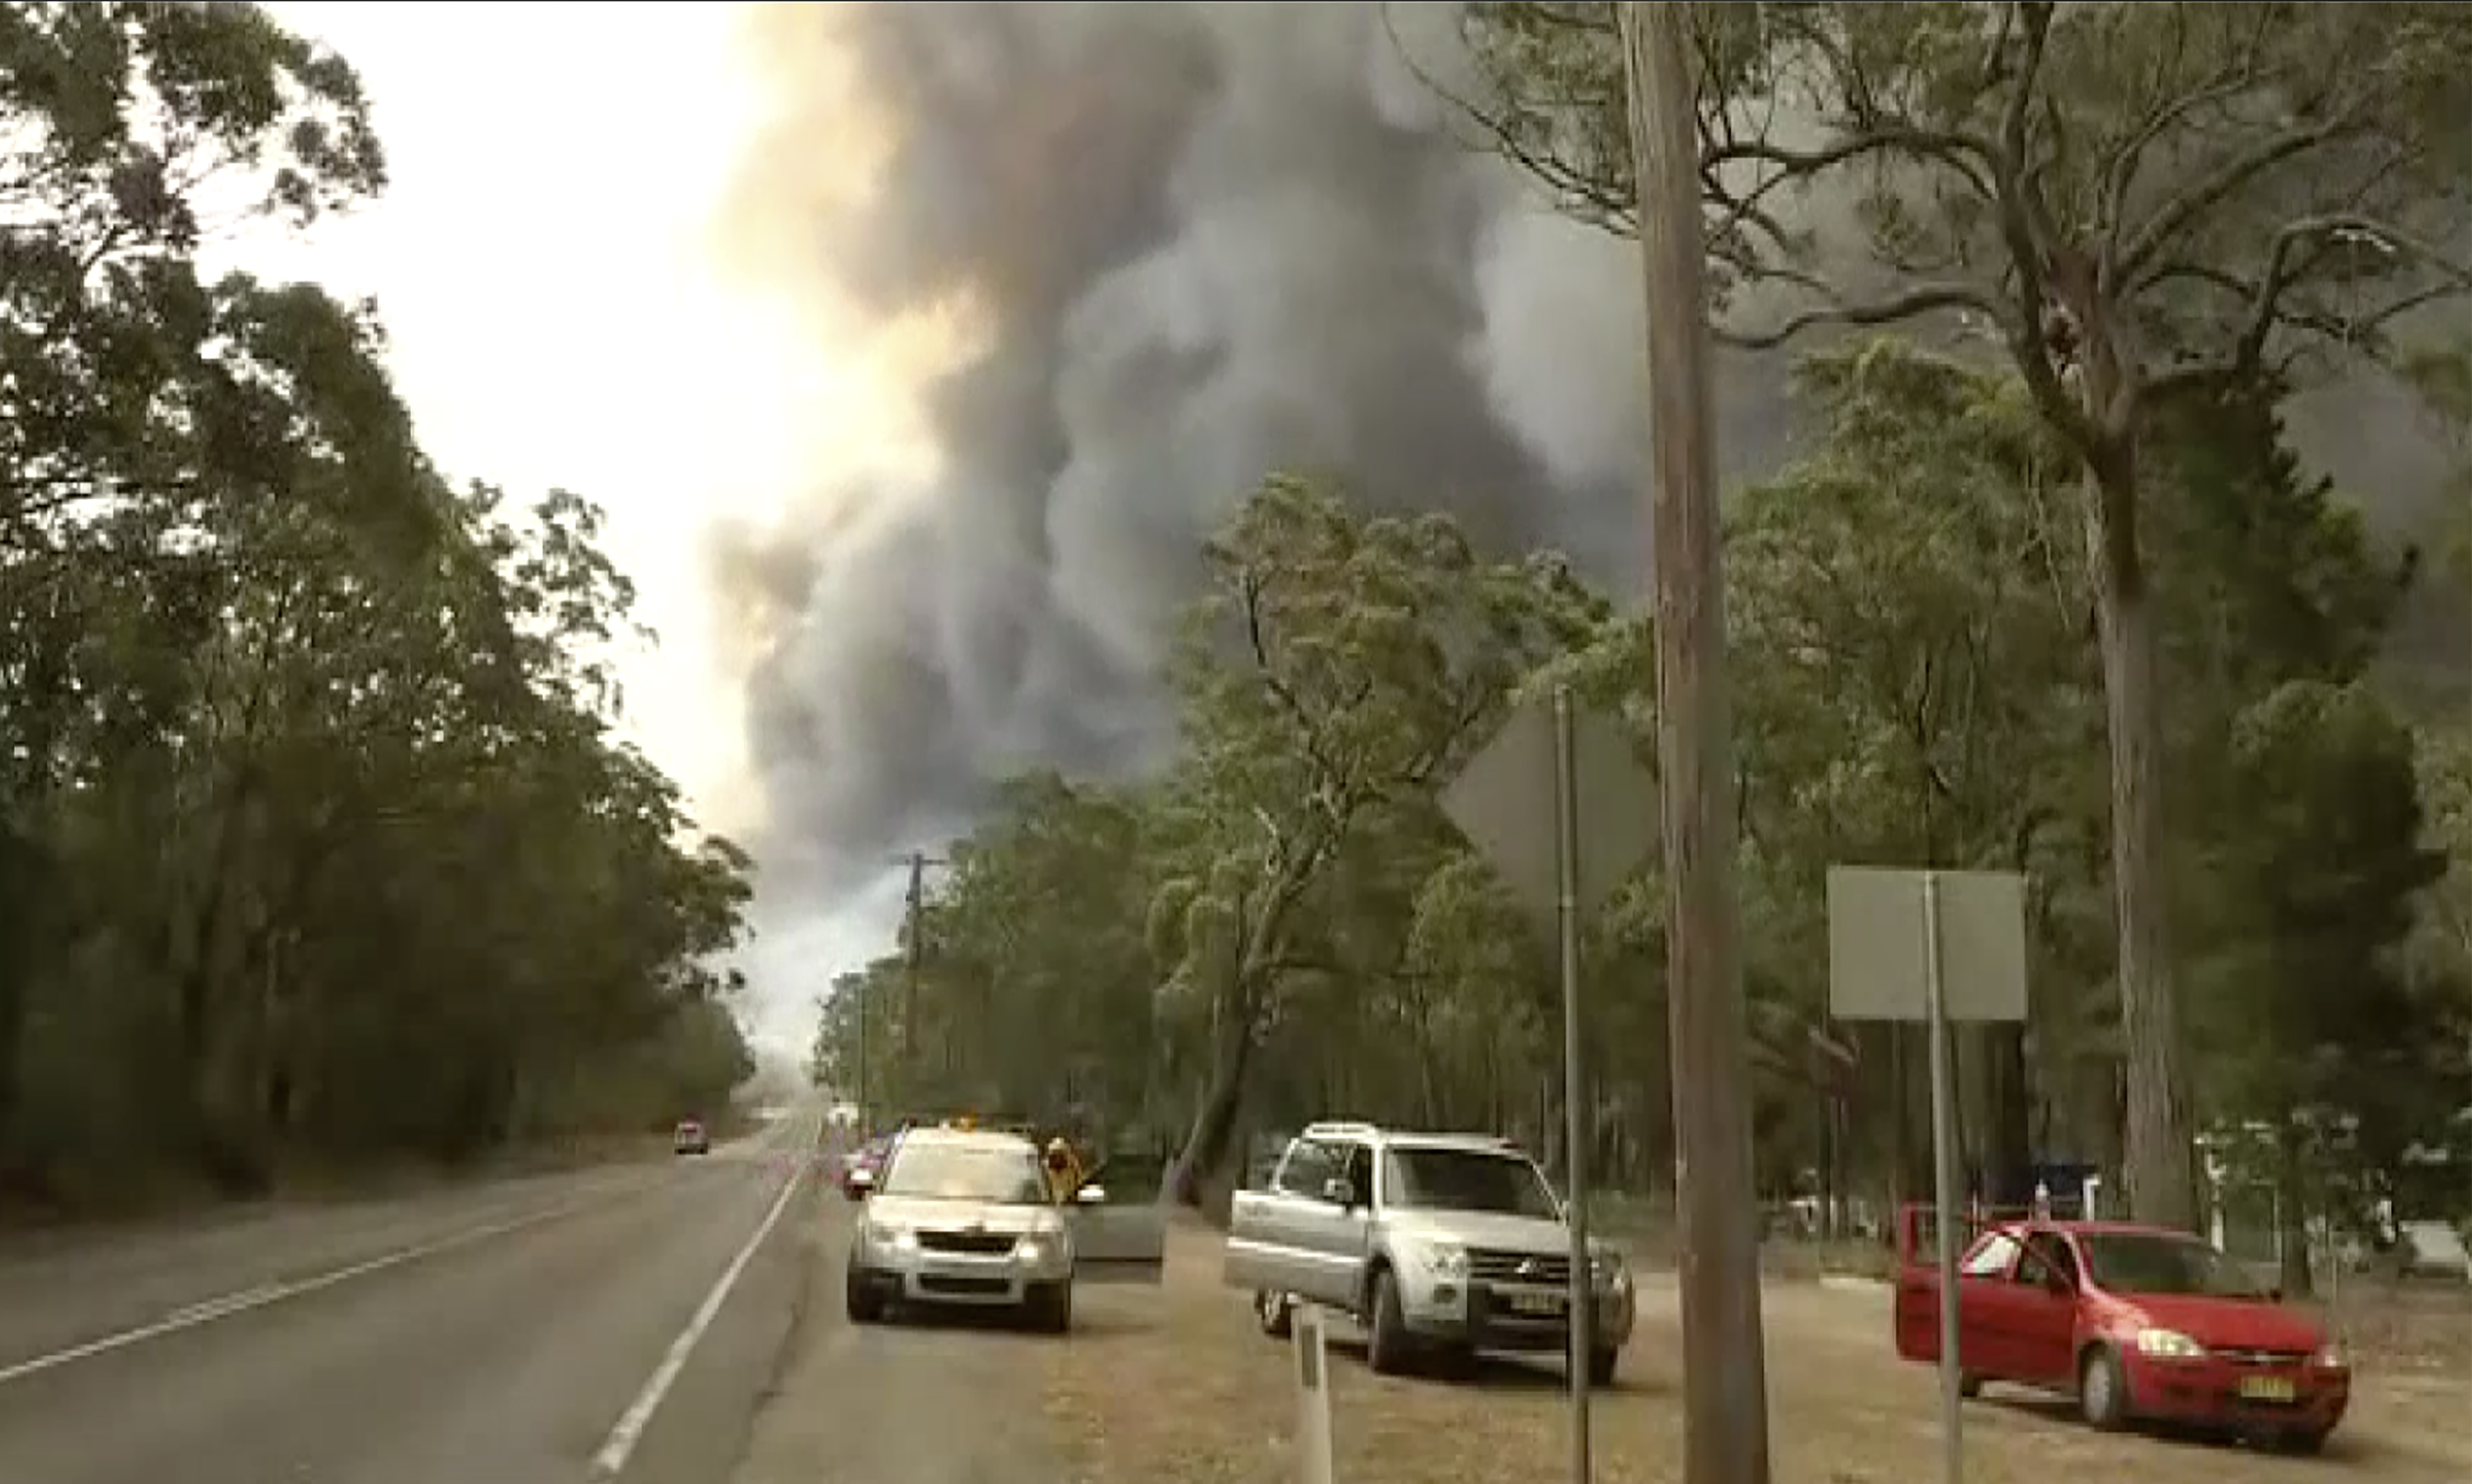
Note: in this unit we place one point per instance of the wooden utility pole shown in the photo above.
(917, 946)
(1725, 1381)
(916, 917)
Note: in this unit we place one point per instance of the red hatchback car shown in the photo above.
(2137, 1323)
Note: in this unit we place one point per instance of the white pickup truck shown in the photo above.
(1452, 1242)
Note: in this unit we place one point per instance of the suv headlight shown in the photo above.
(2168, 1345)
(1038, 1248)
(1440, 1258)
(2330, 1357)
(1608, 1271)
(900, 1238)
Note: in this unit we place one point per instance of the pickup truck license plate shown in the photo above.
(1544, 1304)
(2266, 1388)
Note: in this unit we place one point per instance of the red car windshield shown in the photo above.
(2159, 1263)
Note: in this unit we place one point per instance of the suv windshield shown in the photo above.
(2159, 1263)
(1005, 1175)
(1436, 1179)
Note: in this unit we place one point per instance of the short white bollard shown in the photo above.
(1313, 1396)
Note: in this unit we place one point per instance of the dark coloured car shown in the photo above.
(861, 1166)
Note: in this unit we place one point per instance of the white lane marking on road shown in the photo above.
(264, 1294)
(620, 1445)
(229, 1302)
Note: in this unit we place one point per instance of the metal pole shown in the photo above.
(1578, 1126)
(1952, 1463)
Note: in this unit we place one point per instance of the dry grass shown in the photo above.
(1176, 1386)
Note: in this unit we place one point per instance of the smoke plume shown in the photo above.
(1186, 245)
(1177, 245)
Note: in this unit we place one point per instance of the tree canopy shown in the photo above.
(1280, 925)
(2149, 206)
(318, 838)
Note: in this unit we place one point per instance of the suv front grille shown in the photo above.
(983, 1244)
(1517, 1267)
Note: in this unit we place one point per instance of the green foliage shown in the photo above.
(1280, 926)
(2147, 205)
(315, 838)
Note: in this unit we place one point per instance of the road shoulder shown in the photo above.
(920, 1401)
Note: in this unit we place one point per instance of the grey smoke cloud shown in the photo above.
(1196, 242)
(1201, 242)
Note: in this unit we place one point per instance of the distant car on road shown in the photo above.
(689, 1137)
(965, 1217)
(2137, 1323)
(1434, 1241)
(862, 1166)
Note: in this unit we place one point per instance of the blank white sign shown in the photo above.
(1876, 944)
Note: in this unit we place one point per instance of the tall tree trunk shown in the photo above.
(2157, 1165)
(2292, 1208)
(1206, 1143)
(2008, 1132)
(1901, 1157)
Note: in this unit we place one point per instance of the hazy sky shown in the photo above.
(544, 264)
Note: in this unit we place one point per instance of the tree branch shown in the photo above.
(2266, 294)
(2129, 157)
(1920, 301)
(2182, 210)
(2022, 233)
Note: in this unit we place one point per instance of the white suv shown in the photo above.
(1448, 1241)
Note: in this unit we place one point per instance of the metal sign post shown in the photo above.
(1578, 1111)
(1945, 1181)
(1936, 947)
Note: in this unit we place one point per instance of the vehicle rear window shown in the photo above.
(1006, 1175)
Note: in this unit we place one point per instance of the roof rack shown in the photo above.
(1331, 1128)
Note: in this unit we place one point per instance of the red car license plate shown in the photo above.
(2277, 1389)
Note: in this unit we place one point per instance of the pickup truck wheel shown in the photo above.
(1601, 1366)
(1386, 1333)
(863, 1301)
(1274, 1311)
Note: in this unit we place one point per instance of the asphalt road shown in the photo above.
(924, 1400)
(624, 1324)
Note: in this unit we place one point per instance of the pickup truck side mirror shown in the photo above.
(1339, 1193)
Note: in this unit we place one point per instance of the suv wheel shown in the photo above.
(1050, 1307)
(1385, 1335)
(1601, 1366)
(862, 1300)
